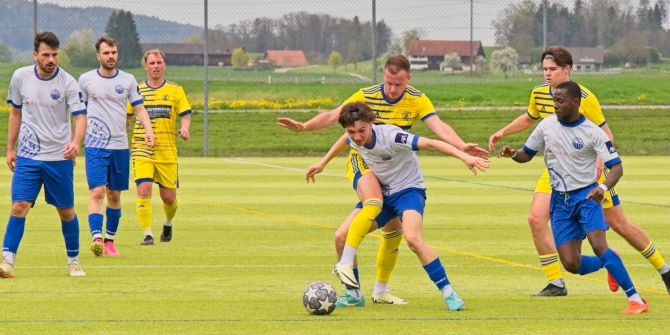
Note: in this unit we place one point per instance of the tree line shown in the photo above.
(315, 34)
(628, 33)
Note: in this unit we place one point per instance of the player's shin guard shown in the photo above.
(170, 210)
(144, 212)
(362, 222)
(95, 224)
(13, 235)
(551, 266)
(615, 266)
(113, 218)
(387, 255)
(653, 256)
(590, 264)
(71, 235)
(437, 273)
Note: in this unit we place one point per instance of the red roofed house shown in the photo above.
(429, 54)
(286, 58)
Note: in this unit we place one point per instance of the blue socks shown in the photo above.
(95, 223)
(615, 266)
(71, 236)
(13, 234)
(437, 273)
(590, 264)
(113, 217)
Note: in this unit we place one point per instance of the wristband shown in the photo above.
(603, 187)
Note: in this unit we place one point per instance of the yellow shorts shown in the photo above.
(356, 167)
(163, 174)
(610, 200)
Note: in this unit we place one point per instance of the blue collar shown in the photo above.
(391, 101)
(110, 77)
(579, 121)
(374, 140)
(52, 77)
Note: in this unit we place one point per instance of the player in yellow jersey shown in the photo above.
(557, 64)
(165, 101)
(394, 102)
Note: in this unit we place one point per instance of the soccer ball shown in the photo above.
(319, 298)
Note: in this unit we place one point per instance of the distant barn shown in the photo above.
(193, 54)
(587, 59)
(286, 58)
(429, 54)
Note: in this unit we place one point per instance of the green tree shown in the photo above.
(408, 36)
(5, 53)
(505, 61)
(121, 26)
(334, 60)
(80, 48)
(239, 58)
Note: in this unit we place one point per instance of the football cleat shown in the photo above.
(166, 235)
(6, 270)
(346, 274)
(75, 269)
(635, 307)
(454, 302)
(148, 240)
(666, 280)
(110, 249)
(552, 290)
(388, 298)
(348, 300)
(96, 247)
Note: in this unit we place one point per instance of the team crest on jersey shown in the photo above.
(578, 143)
(401, 138)
(406, 116)
(610, 147)
(55, 94)
(119, 89)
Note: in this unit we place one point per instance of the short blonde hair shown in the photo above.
(156, 52)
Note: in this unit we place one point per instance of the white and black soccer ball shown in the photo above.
(319, 298)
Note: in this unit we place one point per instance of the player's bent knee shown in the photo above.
(571, 266)
(20, 208)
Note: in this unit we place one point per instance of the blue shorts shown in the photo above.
(396, 204)
(56, 176)
(107, 167)
(573, 216)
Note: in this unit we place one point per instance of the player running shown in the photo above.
(572, 145)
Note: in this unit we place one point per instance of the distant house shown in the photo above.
(429, 54)
(587, 59)
(286, 58)
(193, 54)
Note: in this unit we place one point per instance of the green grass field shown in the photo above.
(250, 234)
(630, 87)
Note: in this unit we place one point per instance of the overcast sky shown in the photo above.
(439, 19)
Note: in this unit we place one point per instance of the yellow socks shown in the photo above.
(387, 255)
(653, 256)
(170, 211)
(551, 266)
(362, 222)
(144, 212)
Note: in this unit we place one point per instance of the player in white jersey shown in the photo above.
(44, 98)
(389, 152)
(571, 145)
(106, 91)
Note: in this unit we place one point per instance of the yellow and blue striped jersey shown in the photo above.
(412, 106)
(541, 104)
(164, 104)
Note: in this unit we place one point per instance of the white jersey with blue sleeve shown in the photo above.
(570, 151)
(46, 107)
(392, 158)
(106, 101)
